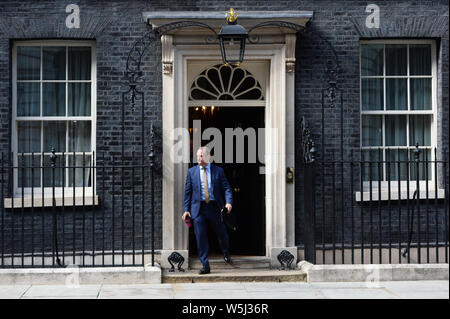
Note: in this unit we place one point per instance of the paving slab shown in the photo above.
(203, 285)
(287, 295)
(281, 286)
(422, 289)
(135, 293)
(221, 290)
(236, 290)
(422, 295)
(63, 291)
(428, 284)
(211, 294)
(13, 292)
(61, 297)
(139, 291)
(356, 293)
(347, 285)
(146, 286)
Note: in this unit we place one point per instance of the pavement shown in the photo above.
(236, 290)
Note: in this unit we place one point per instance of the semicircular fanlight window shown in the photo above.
(222, 82)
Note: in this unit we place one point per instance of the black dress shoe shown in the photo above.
(204, 271)
(227, 258)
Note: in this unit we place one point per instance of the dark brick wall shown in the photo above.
(116, 25)
(343, 26)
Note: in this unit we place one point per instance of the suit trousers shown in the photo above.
(209, 212)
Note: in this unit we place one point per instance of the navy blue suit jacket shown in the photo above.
(193, 190)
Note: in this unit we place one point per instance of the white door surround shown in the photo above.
(276, 48)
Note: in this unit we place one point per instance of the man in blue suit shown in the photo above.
(206, 187)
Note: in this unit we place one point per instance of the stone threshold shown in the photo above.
(239, 262)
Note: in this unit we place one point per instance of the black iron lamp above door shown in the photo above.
(232, 39)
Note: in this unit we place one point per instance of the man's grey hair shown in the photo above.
(205, 149)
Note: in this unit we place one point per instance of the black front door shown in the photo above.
(245, 178)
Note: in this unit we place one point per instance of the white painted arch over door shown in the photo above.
(279, 221)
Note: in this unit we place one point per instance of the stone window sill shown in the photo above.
(384, 195)
(89, 200)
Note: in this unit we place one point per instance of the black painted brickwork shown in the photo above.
(116, 25)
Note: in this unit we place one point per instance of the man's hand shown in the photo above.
(186, 214)
(228, 206)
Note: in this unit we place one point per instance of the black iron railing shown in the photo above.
(88, 210)
(373, 210)
(60, 212)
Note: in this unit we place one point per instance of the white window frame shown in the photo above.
(80, 192)
(384, 193)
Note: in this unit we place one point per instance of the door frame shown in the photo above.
(259, 238)
(279, 114)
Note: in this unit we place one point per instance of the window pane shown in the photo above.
(29, 137)
(79, 136)
(28, 63)
(29, 171)
(56, 173)
(395, 126)
(55, 136)
(54, 63)
(396, 97)
(396, 59)
(28, 99)
(54, 99)
(420, 130)
(420, 59)
(372, 94)
(372, 59)
(232, 48)
(82, 171)
(79, 63)
(372, 168)
(424, 157)
(201, 95)
(420, 94)
(371, 130)
(79, 99)
(396, 160)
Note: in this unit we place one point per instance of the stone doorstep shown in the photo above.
(374, 272)
(242, 269)
(237, 263)
(235, 275)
